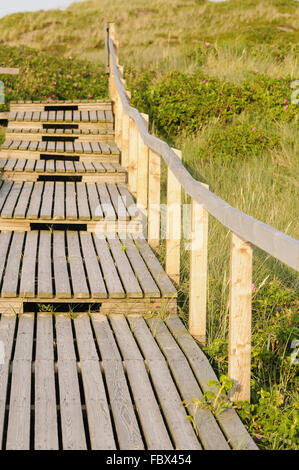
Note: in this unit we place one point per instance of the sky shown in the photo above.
(14, 6)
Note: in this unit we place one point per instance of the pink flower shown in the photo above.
(89, 95)
(69, 76)
(285, 100)
(49, 100)
(9, 90)
(71, 57)
(204, 81)
(207, 44)
(258, 436)
(254, 288)
(285, 107)
(254, 129)
(256, 71)
(55, 83)
(278, 77)
(53, 96)
(78, 74)
(29, 56)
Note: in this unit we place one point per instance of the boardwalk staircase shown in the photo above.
(114, 375)
(93, 354)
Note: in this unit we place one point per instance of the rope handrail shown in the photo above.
(272, 241)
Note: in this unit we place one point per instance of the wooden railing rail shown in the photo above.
(141, 153)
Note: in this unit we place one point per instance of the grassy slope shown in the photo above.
(153, 30)
(165, 35)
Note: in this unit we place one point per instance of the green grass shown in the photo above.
(215, 79)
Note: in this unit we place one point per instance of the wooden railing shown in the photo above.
(141, 155)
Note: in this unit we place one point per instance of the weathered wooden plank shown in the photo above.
(83, 207)
(148, 285)
(153, 427)
(45, 416)
(7, 329)
(127, 430)
(5, 238)
(59, 201)
(64, 338)
(229, 421)
(159, 275)
(27, 285)
(18, 429)
(44, 279)
(78, 277)
(11, 276)
(111, 276)
(206, 425)
(106, 204)
(72, 426)
(61, 276)
(94, 202)
(70, 202)
(105, 340)
(35, 201)
(10, 203)
(95, 277)
(179, 426)
(47, 201)
(126, 273)
(22, 204)
(5, 189)
(44, 337)
(117, 202)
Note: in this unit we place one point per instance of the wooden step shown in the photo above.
(34, 170)
(135, 374)
(71, 265)
(81, 105)
(32, 150)
(86, 119)
(80, 135)
(97, 205)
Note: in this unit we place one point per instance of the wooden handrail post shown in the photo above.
(125, 140)
(239, 344)
(118, 121)
(133, 157)
(154, 190)
(142, 171)
(173, 227)
(198, 272)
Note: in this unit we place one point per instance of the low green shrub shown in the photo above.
(182, 102)
(50, 77)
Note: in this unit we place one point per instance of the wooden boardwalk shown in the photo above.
(115, 376)
(107, 382)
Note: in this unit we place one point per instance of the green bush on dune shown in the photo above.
(48, 77)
